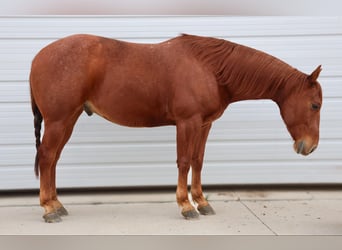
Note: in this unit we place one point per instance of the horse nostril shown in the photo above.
(313, 149)
(300, 147)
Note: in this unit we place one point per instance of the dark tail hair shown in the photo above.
(38, 119)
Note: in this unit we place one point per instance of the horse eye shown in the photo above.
(315, 106)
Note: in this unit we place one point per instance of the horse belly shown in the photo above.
(131, 111)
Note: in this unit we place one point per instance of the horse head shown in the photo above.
(300, 110)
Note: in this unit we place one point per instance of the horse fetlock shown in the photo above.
(203, 207)
(188, 210)
(54, 206)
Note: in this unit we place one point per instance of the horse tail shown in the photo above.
(38, 119)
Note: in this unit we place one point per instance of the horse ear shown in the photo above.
(314, 75)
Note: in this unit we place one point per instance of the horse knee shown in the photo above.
(197, 162)
(183, 164)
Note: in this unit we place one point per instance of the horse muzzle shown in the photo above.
(303, 148)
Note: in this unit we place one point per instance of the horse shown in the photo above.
(187, 81)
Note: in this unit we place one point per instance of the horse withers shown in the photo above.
(187, 81)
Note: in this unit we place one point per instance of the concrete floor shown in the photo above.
(262, 212)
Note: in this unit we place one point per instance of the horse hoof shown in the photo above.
(206, 210)
(191, 214)
(52, 218)
(62, 211)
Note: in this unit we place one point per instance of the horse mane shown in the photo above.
(245, 69)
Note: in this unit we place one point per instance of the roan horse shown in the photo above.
(187, 81)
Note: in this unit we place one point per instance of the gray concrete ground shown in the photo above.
(263, 212)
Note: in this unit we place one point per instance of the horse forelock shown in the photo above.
(242, 68)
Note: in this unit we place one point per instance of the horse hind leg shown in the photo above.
(55, 137)
(58, 206)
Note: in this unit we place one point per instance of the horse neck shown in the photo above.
(243, 73)
(253, 91)
(276, 89)
(270, 82)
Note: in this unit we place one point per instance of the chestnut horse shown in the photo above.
(187, 81)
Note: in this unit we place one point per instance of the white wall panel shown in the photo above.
(249, 144)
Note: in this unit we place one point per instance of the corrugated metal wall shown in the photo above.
(248, 145)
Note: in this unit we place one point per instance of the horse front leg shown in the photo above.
(186, 134)
(196, 163)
